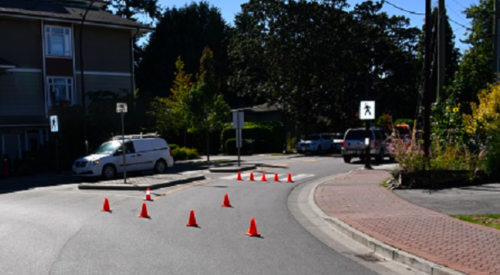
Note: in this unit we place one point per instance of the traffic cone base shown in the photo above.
(252, 231)
(289, 178)
(276, 177)
(263, 177)
(251, 177)
(106, 207)
(239, 176)
(144, 212)
(226, 202)
(192, 220)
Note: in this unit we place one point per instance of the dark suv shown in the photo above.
(354, 144)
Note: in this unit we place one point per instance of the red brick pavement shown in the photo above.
(376, 211)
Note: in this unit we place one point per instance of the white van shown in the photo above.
(143, 153)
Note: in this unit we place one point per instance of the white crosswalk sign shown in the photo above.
(54, 124)
(367, 110)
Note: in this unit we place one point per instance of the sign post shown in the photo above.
(367, 113)
(121, 108)
(54, 128)
(238, 124)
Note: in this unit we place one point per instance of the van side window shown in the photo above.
(129, 147)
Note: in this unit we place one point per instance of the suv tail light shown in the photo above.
(375, 144)
(170, 153)
(343, 143)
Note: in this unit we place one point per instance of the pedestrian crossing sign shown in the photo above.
(367, 110)
(54, 125)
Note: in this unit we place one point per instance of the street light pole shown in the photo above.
(82, 72)
(427, 74)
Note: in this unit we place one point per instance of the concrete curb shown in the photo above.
(380, 248)
(141, 187)
(230, 169)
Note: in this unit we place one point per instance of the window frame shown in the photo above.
(69, 86)
(67, 41)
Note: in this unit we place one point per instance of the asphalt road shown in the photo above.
(470, 200)
(61, 230)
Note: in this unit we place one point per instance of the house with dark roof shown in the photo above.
(41, 55)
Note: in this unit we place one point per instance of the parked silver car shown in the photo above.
(354, 144)
(316, 143)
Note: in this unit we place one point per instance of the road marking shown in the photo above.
(310, 160)
(269, 176)
(181, 188)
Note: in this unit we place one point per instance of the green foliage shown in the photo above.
(290, 53)
(247, 147)
(183, 32)
(130, 9)
(448, 122)
(182, 153)
(173, 146)
(490, 156)
(265, 137)
(475, 70)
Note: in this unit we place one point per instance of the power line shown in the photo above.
(459, 4)
(447, 6)
(400, 8)
(461, 25)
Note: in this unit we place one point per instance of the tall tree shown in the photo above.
(313, 57)
(182, 32)
(475, 70)
(207, 108)
(452, 53)
(131, 8)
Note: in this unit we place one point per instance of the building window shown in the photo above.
(58, 41)
(60, 91)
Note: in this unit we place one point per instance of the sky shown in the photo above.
(229, 8)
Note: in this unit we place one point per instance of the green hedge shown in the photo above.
(261, 137)
(182, 153)
(246, 149)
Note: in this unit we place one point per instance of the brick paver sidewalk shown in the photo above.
(358, 200)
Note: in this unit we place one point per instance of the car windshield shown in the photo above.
(107, 148)
(312, 137)
(355, 135)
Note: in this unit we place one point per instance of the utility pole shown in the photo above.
(441, 49)
(427, 77)
(496, 37)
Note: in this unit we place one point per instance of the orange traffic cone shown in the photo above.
(252, 231)
(276, 177)
(289, 177)
(192, 220)
(148, 195)
(263, 177)
(106, 208)
(226, 202)
(144, 212)
(239, 176)
(251, 177)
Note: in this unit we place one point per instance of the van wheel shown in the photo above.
(160, 167)
(108, 172)
(347, 159)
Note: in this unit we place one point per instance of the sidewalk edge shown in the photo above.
(378, 247)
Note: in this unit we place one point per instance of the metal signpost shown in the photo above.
(54, 128)
(121, 108)
(238, 124)
(367, 113)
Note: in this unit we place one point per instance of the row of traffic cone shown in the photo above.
(252, 231)
(264, 177)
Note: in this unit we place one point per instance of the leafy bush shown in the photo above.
(173, 146)
(489, 157)
(182, 153)
(246, 148)
(265, 137)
